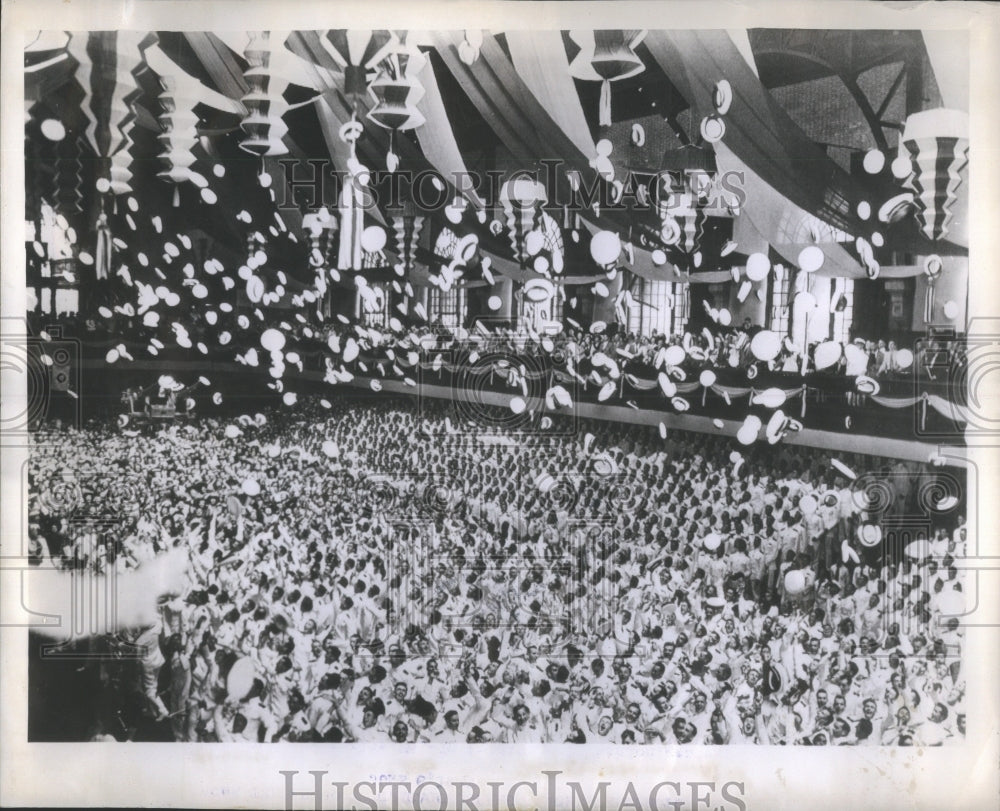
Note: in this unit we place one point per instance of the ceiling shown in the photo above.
(826, 97)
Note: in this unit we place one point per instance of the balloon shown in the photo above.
(494, 303)
(811, 259)
(758, 266)
(765, 345)
(605, 247)
(239, 682)
(795, 582)
(538, 290)
(658, 257)
(874, 161)
(255, 289)
(808, 505)
(951, 310)
(667, 386)
(674, 355)
(904, 358)
(351, 350)
(725, 317)
(747, 435)
(53, 129)
(770, 398)
(534, 241)
(707, 378)
(251, 487)
(827, 354)
(901, 167)
(855, 356)
(290, 398)
(272, 340)
(373, 238)
(518, 405)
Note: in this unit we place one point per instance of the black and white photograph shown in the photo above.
(500, 384)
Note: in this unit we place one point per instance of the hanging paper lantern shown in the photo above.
(692, 221)
(122, 116)
(522, 199)
(109, 60)
(181, 94)
(78, 46)
(69, 185)
(264, 99)
(937, 145)
(407, 227)
(357, 52)
(179, 136)
(397, 90)
(606, 56)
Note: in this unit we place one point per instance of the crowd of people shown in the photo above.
(376, 571)
(715, 347)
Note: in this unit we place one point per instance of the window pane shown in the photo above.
(67, 301)
(656, 309)
(779, 304)
(843, 312)
(448, 308)
(682, 307)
